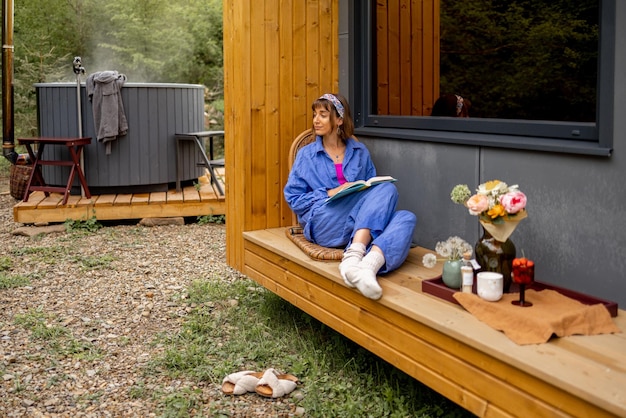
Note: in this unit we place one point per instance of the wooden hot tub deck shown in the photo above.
(191, 201)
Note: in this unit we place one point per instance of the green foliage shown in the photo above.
(35, 320)
(5, 263)
(179, 403)
(59, 340)
(83, 225)
(9, 281)
(93, 262)
(47, 255)
(211, 219)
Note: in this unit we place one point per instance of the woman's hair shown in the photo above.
(451, 105)
(347, 128)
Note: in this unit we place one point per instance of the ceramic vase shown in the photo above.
(451, 274)
(496, 256)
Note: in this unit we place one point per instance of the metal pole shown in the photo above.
(78, 70)
(8, 140)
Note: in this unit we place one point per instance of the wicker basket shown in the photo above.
(19, 179)
(314, 251)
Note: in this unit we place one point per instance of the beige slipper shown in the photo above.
(241, 382)
(276, 385)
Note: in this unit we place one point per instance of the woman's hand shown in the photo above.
(332, 192)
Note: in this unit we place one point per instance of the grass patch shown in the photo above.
(47, 255)
(179, 403)
(236, 326)
(93, 262)
(5, 263)
(59, 339)
(10, 281)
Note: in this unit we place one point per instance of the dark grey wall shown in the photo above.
(576, 228)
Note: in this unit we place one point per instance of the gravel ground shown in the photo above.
(119, 309)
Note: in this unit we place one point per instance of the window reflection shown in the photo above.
(525, 59)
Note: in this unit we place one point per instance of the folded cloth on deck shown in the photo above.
(551, 313)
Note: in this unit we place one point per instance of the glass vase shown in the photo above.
(451, 274)
(497, 256)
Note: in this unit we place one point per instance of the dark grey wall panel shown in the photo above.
(426, 174)
(575, 230)
(144, 159)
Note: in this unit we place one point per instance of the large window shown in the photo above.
(539, 73)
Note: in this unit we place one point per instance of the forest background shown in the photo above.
(160, 41)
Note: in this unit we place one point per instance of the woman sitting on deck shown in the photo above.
(377, 238)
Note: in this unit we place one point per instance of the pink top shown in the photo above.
(340, 176)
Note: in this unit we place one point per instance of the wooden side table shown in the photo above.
(36, 181)
(208, 161)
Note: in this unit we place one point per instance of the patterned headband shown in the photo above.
(335, 101)
(459, 104)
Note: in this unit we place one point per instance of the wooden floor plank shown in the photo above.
(190, 194)
(174, 197)
(52, 201)
(104, 200)
(157, 198)
(140, 199)
(123, 199)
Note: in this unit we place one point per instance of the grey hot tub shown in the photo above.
(142, 161)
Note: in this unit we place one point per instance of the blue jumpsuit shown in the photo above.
(333, 224)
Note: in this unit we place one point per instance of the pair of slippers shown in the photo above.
(270, 383)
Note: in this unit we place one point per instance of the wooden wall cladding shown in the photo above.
(407, 56)
(278, 57)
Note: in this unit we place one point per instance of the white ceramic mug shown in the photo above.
(489, 285)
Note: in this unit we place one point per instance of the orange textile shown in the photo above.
(551, 313)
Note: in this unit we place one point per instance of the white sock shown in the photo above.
(364, 275)
(351, 258)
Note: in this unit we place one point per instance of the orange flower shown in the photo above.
(496, 211)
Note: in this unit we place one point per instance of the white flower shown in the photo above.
(429, 260)
(451, 249)
(443, 249)
(493, 188)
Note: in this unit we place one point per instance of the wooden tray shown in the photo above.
(436, 287)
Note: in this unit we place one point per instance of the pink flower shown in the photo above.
(513, 202)
(477, 204)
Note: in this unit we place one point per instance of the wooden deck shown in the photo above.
(191, 201)
(444, 346)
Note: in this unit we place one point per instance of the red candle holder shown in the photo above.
(523, 273)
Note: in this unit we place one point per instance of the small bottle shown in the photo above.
(467, 274)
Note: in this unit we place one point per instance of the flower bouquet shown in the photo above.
(452, 250)
(500, 207)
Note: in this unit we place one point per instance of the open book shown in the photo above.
(359, 185)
